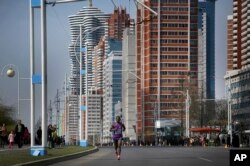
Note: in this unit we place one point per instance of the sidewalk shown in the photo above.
(15, 147)
(21, 156)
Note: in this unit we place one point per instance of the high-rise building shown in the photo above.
(98, 59)
(206, 60)
(230, 42)
(117, 22)
(128, 84)
(238, 76)
(206, 25)
(91, 22)
(112, 91)
(111, 42)
(167, 61)
(72, 121)
(94, 115)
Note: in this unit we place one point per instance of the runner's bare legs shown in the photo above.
(116, 146)
(119, 143)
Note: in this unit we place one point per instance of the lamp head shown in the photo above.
(10, 72)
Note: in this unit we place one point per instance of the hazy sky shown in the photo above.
(14, 46)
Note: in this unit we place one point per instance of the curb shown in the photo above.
(53, 160)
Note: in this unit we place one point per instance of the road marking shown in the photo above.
(206, 159)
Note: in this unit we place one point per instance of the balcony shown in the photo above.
(235, 20)
(244, 22)
(235, 65)
(243, 63)
(244, 39)
(235, 54)
(244, 4)
(245, 50)
(244, 15)
(245, 56)
(235, 26)
(244, 44)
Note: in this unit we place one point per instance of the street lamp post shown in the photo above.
(11, 73)
(84, 142)
(187, 103)
(229, 111)
(43, 78)
(142, 103)
(187, 106)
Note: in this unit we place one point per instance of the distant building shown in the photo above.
(94, 116)
(206, 25)
(93, 24)
(206, 59)
(110, 42)
(112, 91)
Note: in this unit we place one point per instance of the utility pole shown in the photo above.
(50, 112)
(57, 103)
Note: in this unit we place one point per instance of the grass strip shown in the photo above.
(12, 157)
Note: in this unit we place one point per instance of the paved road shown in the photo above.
(155, 156)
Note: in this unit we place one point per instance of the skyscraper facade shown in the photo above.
(206, 24)
(88, 19)
(167, 61)
(112, 92)
(117, 22)
(230, 42)
(238, 76)
(206, 59)
(91, 22)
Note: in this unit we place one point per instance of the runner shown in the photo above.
(117, 128)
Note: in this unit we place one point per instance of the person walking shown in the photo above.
(19, 130)
(11, 139)
(39, 135)
(3, 135)
(117, 128)
(49, 136)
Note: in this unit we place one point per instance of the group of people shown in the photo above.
(14, 136)
(17, 135)
(53, 138)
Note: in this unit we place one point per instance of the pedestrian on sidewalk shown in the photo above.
(3, 135)
(19, 131)
(11, 139)
(117, 128)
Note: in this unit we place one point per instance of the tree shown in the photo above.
(6, 113)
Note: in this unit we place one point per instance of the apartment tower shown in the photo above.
(167, 65)
(91, 22)
(238, 74)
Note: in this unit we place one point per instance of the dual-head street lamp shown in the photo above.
(41, 79)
